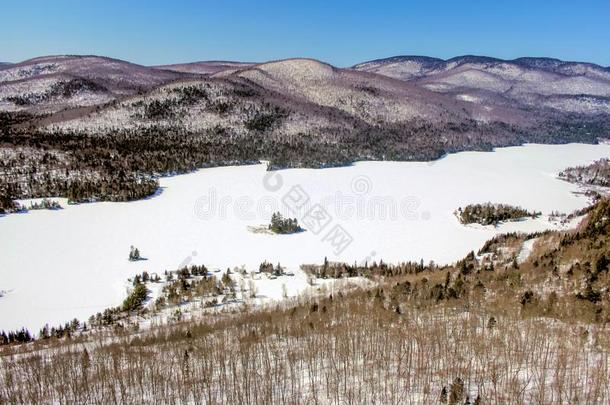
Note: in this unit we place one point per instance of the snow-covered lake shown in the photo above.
(57, 265)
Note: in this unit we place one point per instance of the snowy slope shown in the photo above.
(531, 82)
(50, 83)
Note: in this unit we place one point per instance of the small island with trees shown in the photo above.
(278, 226)
(492, 214)
(282, 225)
(134, 254)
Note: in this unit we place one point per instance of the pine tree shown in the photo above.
(227, 281)
(134, 254)
(3, 338)
(44, 332)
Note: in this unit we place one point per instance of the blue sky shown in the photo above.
(339, 32)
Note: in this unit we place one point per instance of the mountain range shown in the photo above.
(526, 82)
(488, 87)
(294, 112)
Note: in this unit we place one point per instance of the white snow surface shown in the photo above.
(58, 265)
(526, 250)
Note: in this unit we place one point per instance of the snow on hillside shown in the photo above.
(371, 98)
(526, 250)
(27, 85)
(57, 265)
(524, 80)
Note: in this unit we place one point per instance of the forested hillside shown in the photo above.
(93, 128)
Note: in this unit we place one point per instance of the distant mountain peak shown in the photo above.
(474, 59)
(403, 58)
(429, 63)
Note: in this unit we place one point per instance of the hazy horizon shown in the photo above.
(341, 33)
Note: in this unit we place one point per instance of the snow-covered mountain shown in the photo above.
(371, 98)
(51, 83)
(316, 94)
(402, 108)
(528, 83)
(386, 90)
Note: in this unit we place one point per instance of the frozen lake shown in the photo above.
(57, 265)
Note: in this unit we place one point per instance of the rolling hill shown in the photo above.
(106, 117)
(527, 83)
(51, 83)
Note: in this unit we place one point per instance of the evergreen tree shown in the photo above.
(138, 295)
(282, 225)
(134, 254)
